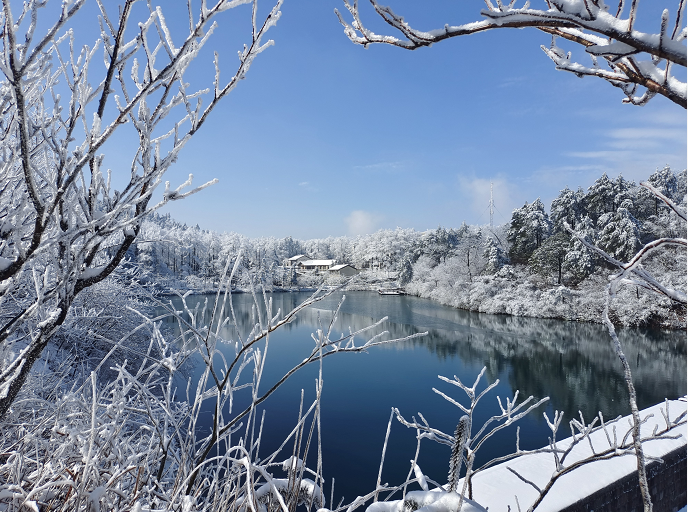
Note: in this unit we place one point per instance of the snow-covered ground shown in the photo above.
(514, 291)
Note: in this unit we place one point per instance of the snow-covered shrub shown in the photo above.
(135, 442)
(66, 222)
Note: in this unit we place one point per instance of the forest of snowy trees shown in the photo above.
(529, 267)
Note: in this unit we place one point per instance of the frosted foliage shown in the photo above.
(142, 439)
(461, 434)
(619, 235)
(600, 197)
(530, 226)
(67, 221)
(566, 207)
(579, 261)
(494, 257)
(640, 64)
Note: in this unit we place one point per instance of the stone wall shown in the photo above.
(667, 487)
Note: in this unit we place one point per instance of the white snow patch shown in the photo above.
(91, 272)
(496, 487)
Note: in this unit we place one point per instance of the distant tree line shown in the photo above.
(617, 215)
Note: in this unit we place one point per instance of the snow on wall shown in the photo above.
(496, 487)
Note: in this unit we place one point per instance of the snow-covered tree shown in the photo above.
(494, 257)
(405, 271)
(634, 61)
(67, 221)
(619, 233)
(549, 258)
(600, 197)
(530, 226)
(469, 244)
(579, 260)
(566, 207)
(667, 183)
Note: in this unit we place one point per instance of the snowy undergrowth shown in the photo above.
(515, 291)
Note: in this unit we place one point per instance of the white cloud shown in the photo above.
(360, 222)
(636, 147)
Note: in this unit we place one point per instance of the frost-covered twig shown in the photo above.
(465, 443)
(64, 226)
(588, 24)
(617, 446)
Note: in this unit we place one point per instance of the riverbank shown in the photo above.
(512, 291)
(515, 292)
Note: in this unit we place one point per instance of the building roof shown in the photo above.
(339, 267)
(298, 256)
(317, 263)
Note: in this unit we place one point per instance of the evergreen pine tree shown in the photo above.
(619, 233)
(579, 261)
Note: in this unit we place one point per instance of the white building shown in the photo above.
(295, 260)
(316, 264)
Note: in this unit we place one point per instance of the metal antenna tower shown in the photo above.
(491, 207)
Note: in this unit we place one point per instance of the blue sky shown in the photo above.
(328, 138)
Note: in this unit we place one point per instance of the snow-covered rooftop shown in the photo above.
(298, 256)
(317, 263)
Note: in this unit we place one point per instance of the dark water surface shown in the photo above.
(572, 363)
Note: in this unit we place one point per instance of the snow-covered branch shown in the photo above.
(60, 216)
(588, 23)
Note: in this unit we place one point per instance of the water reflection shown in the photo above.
(573, 363)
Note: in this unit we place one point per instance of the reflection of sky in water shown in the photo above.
(572, 363)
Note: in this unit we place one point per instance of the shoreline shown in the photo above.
(581, 304)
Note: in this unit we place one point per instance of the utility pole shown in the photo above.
(491, 207)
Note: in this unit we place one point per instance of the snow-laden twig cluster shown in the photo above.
(464, 444)
(604, 31)
(66, 221)
(146, 440)
(611, 439)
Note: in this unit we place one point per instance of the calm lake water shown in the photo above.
(572, 363)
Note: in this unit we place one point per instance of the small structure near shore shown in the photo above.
(344, 270)
(316, 264)
(391, 291)
(295, 260)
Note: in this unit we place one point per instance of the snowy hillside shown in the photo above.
(529, 267)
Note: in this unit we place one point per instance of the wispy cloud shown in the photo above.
(360, 222)
(381, 166)
(511, 81)
(635, 149)
(307, 186)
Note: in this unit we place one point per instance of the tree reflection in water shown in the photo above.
(572, 363)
